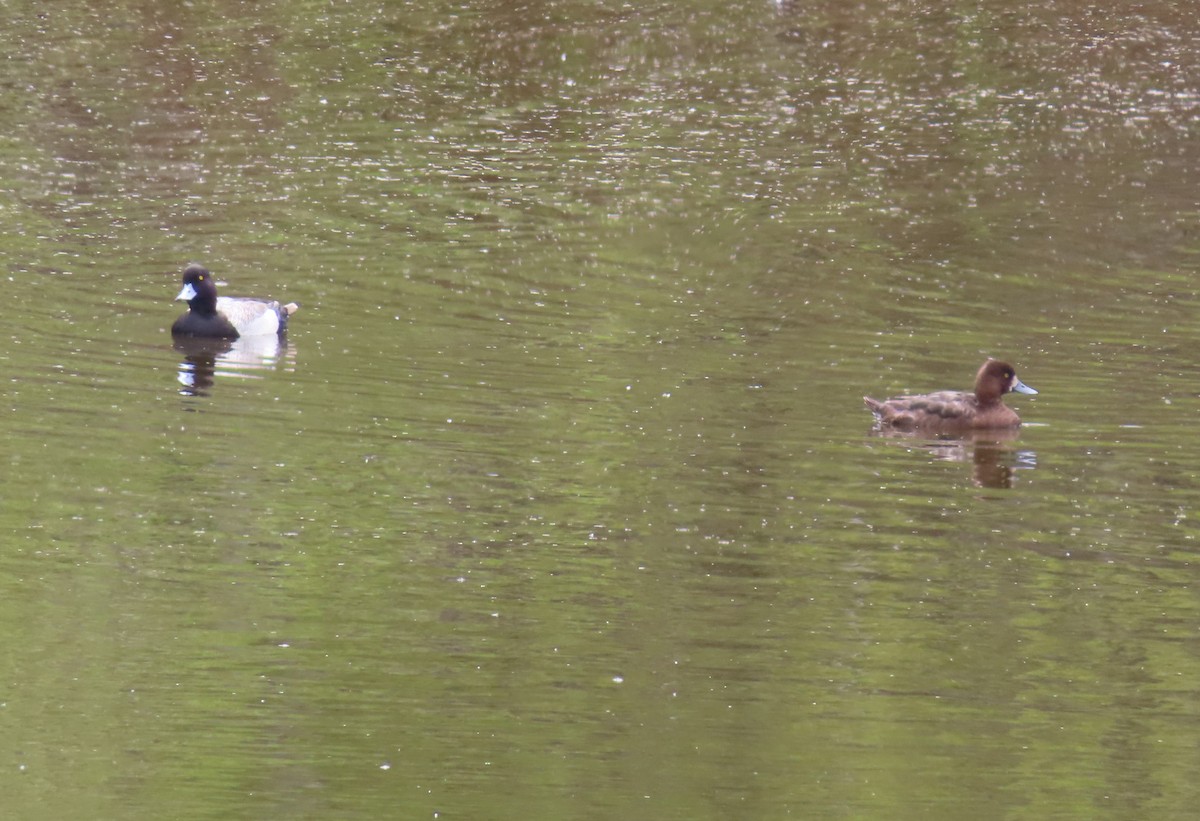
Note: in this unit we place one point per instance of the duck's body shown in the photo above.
(226, 317)
(949, 411)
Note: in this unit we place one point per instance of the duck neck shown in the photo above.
(203, 305)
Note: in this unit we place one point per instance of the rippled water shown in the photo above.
(559, 499)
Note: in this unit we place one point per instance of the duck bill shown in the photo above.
(187, 294)
(1021, 387)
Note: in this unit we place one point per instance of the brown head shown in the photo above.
(996, 378)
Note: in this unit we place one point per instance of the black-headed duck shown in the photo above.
(227, 317)
(949, 411)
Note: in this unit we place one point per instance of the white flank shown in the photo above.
(250, 316)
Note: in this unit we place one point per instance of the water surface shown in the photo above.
(559, 499)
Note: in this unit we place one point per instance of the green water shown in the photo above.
(560, 501)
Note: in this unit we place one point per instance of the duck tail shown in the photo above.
(291, 308)
(874, 404)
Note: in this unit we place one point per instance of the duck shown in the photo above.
(224, 317)
(956, 411)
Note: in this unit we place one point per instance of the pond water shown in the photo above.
(559, 500)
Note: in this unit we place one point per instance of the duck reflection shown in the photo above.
(994, 458)
(247, 357)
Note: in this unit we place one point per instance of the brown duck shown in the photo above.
(949, 411)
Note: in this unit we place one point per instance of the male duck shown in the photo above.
(948, 411)
(228, 317)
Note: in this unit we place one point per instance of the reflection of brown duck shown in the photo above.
(952, 411)
(989, 451)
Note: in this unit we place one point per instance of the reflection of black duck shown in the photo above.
(204, 358)
(198, 369)
(209, 315)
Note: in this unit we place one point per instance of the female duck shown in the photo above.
(947, 411)
(227, 317)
